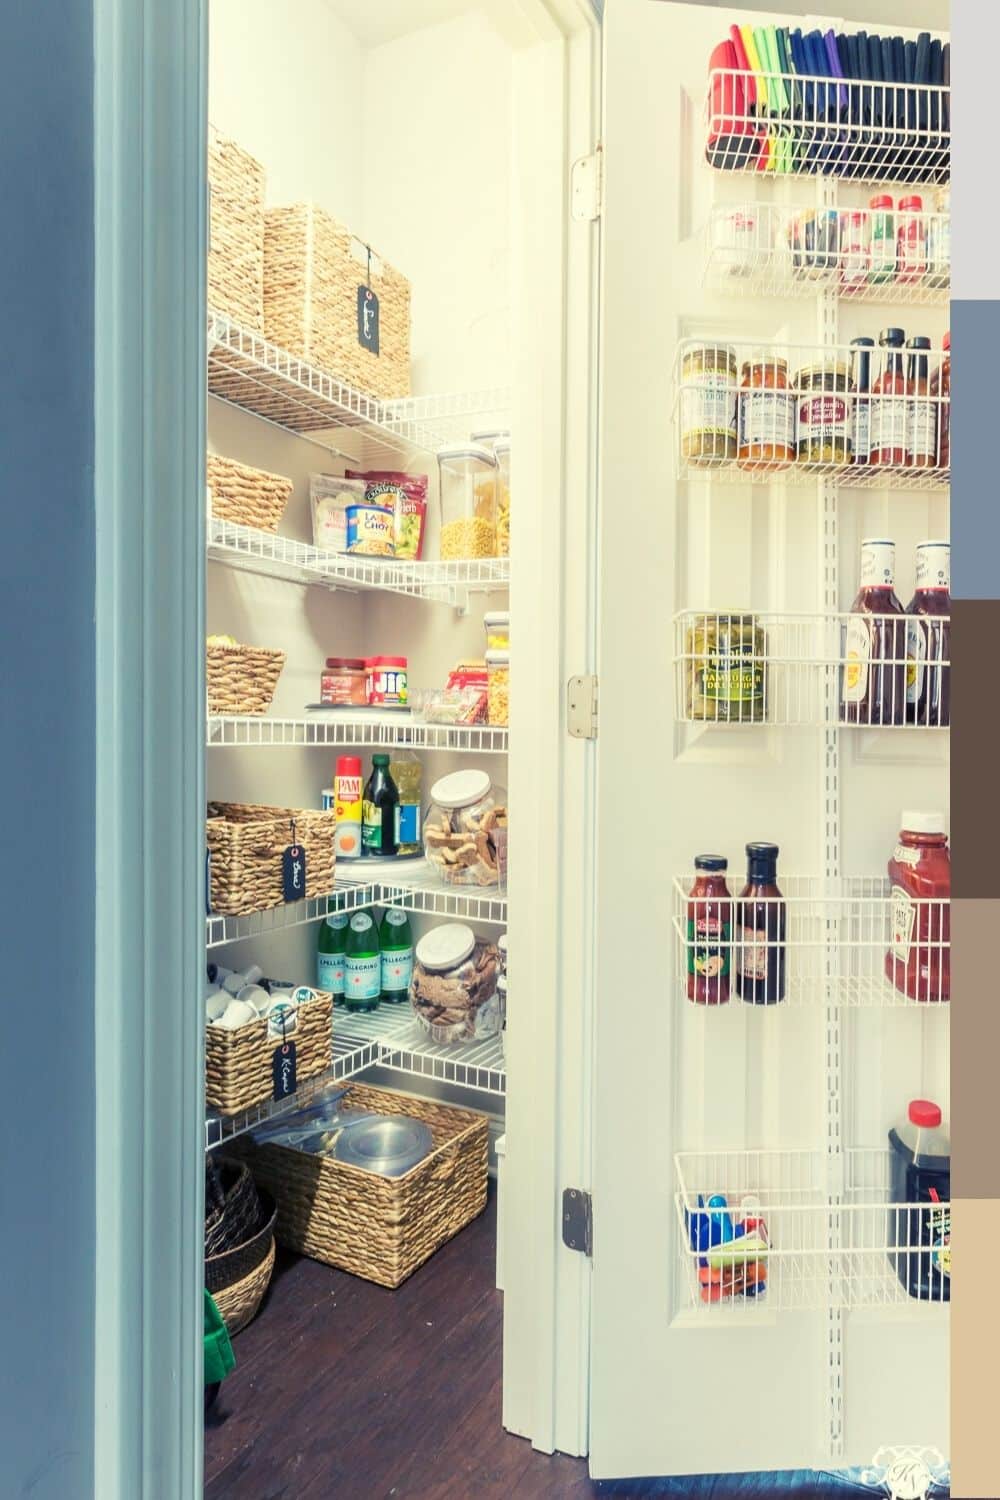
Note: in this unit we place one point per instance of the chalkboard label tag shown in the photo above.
(368, 319)
(283, 1070)
(293, 872)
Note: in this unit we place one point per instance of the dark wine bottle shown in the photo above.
(760, 930)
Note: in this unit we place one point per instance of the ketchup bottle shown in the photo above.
(928, 639)
(709, 932)
(918, 962)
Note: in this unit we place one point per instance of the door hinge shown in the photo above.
(578, 1221)
(587, 186)
(581, 707)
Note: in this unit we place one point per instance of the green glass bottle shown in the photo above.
(396, 941)
(330, 946)
(362, 963)
(380, 826)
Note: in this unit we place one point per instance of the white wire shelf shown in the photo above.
(340, 728)
(749, 413)
(831, 1238)
(852, 670)
(248, 371)
(300, 562)
(852, 942)
(778, 124)
(404, 1047)
(770, 250)
(346, 897)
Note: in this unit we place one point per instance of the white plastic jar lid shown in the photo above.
(922, 822)
(446, 947)
(502, 616)
(497, 658)
(467, 450)
(461, 788)
(502, 945)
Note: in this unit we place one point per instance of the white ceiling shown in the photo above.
(377, 21)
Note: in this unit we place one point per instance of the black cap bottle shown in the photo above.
(760, 930)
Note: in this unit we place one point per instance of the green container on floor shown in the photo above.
(219, 1356)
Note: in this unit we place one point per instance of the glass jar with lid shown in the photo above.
(823, 416)
(766, 415)
(465, 829)
(468, 497)
(708, 404)
(725, 657)
(454, 986)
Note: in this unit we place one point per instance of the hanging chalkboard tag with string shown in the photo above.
(368, 312)
(283, 1067)
(293, 870)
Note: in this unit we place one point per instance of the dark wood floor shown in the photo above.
(344, 1389)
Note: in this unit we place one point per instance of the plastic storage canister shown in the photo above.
(501, 452)
(497, 627)
(498, 687)
(344, 681)
(465, 829)
(468, 497)
(919, 1228)
(453, 991)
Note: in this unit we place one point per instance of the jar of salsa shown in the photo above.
(709, 932)
(918, 962)
(823, 418)
(766, 416)
(725, 659)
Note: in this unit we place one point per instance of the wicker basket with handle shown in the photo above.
(236, 253)
(380, 1228)
(246, 842)
(241, 679)
(252, 497)
(311, 281)
(238, 1064)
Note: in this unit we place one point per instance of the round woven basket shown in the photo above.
(233, 1212)
(241, 679)
(231, 1266)
(238, 1304)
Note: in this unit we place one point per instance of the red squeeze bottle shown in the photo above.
(918, 962)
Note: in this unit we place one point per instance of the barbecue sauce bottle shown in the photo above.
(760, 930)
(928, 639)
(873, 686)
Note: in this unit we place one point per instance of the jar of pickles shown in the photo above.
(468, 502)
(823, 416)
(708, 404)
(725, 660)
(766, 416)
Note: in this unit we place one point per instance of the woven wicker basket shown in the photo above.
(247, 841)
(222, 1271)
(241, 679)
(236, 253)
(311, 280)
(238, 1063)
(238, 1304)
(380, 1228)
(252, 497)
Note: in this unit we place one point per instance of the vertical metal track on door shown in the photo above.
(828, 331)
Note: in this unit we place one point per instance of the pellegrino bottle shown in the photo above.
(397, 955)
(928, 639)
(330, 948)
(873, 689)
(362, 963)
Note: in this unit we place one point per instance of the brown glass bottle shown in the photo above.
(873, 681)
(760, 930)
(928, 639)
(921, 417)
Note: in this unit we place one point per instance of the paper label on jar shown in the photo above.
(752, 953)
(904, 856)
(921, 429)
(888, 423)
(904, 914)
(823, 419)
(767, 417)
(708, 404)
(862, 441)
(732, 680)
(857, 656)
(916, 658)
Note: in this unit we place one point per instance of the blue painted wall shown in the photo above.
(47, 750)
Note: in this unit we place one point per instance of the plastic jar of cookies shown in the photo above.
(454, 987)
(465, 829)
(468, 496)
(498, 688)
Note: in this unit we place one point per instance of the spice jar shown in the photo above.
(468, 495)
(497, 625)
(726, 657)
(911, 254)
(939, 240)
(498, 687)
(708, 404)
(343, 681)
(766, 416)
(824, 414)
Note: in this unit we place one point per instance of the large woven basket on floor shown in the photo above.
(247, 841)
(252, 497)
(241, 679)
(224, 1270)
(238, 1304)
(236, 247)
(238, 1064)
(311, 281)
(381, 1228)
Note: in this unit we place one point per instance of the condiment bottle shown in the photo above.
(918, 962)
(362, 963)
(330, 962)
(921, 421)
(348, 805)
(882, 242)
(920, 1181)
(861, 380)
(380, 829)
(928, 638)
(873, 690)
(396, 943)
(911, 257)
(760, 930)
(855, 255)
(709, 932)
(941, 394)
(889, 402)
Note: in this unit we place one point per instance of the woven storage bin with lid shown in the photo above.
(238, 1064)
(251, 497)
(380, 1228)
(311, 280)
(247, 841)
(236, 253)
(241, 679)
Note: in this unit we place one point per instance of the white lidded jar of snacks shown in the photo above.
(468, 496)
(465, 830)
(454, 986)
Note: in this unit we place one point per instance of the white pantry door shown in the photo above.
(675, 1388)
